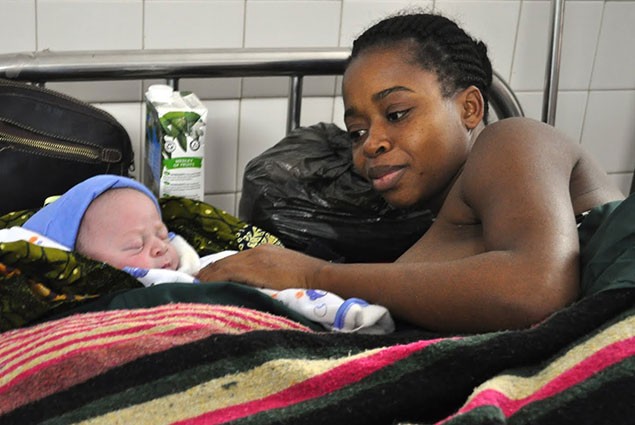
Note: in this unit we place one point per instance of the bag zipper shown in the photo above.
(53, 148)
(107, 155)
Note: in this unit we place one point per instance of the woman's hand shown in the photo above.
(266, 266)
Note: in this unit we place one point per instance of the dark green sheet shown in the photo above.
(607, 247)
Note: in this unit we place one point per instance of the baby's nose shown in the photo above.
(160, 247)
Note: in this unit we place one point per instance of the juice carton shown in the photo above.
(175, 143)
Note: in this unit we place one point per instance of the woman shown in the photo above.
(503, 251)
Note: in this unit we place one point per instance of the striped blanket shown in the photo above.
(208, 364)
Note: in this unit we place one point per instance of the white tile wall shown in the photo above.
(582, 20)
(17, 32)
(89, 25)
(609, 129)
(315, 110)
(531, 103)
(299, 23)
(221, 141)
(596, 104)
(212, 88)
(528, 69)
(615, 60)
(101, 91)
(181, 24)
(570, 110)
(262, 123)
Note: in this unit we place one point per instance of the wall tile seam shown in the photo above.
(508, 77)
(597, 48)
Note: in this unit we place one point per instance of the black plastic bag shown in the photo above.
(305, 191)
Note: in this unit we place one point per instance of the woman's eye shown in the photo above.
(356, 135)
(397, 116)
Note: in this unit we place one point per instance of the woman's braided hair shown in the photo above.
(438, 45)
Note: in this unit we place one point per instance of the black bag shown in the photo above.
(50, 141)
(305, 191)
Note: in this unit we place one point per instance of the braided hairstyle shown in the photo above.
(439, 46)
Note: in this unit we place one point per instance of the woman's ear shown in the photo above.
(472, 106)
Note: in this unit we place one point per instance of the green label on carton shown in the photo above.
(183, 162)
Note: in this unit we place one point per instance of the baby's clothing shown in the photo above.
(335, 313)
(16, 233)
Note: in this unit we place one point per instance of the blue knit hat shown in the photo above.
(60, 219)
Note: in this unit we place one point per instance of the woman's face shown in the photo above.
(408, 140)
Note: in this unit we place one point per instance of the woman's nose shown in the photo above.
(376, 143)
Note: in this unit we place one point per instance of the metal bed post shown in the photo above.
(295, 102)
(552, 74)
(173, 82)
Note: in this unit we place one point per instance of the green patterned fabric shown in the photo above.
(209, 229)
(36, 282)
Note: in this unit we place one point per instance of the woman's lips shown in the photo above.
(385, 177)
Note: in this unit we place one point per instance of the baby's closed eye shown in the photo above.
(133, 246)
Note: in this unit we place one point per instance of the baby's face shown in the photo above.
(122, 227)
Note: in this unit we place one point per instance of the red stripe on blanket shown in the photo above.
(132, 326)
(65, 371)
(318, 386)
(17, 339)
(89, 321)
(600, 360)
(51, 333)
(96, 345)
(86, 345)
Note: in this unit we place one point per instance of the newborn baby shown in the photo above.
(116, 220)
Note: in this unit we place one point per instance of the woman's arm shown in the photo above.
(517, 267)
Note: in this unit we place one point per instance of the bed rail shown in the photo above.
(172, 65)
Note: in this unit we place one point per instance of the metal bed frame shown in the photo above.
(172, 65)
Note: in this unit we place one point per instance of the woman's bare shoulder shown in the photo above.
(520, 130)
(531, 152)
(518, 146)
